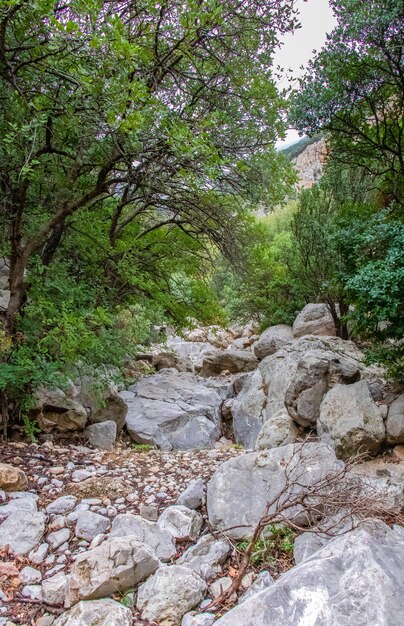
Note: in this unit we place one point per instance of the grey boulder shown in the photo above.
(272, 339)
(206, 557)
(157, 539)
(278, 430)
(104, 612)
(351, 421)
(55, 410)
(102, 435)
(170, 593)
(173, 411)
(296, 377)
(117, 565)
(395, 421)
(194, 495)
(241, 489)
(354, 579)
(314, 319)
(181, 522)
(233, 361)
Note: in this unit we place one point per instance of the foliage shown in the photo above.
(141, 447)
(266, 290)
(354, 89)
(275, 543)
(30, 428)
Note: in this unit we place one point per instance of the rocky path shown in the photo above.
(81, 480)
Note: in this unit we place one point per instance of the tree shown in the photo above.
(354, 89)
(150, 112)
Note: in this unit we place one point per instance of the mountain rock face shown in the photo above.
(309, 163)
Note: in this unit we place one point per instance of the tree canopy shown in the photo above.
(354, 88)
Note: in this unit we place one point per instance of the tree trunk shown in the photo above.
(18, 263)
(340, 326)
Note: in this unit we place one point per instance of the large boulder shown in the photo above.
(102, 401)
(242, 488)
(233, 361)
(157, 539)
(351, 421)
(314, 319)
(278, 430)
(117, 565)
(395, 421)
(104, 612)
(355, 579)
(55, 410)
(296, 378)
(206, 557)
(12, 478)
(170, 593)
(272, 339)
(173, 411)
(102, 435)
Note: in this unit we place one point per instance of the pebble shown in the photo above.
(59, 537)
(29, 575)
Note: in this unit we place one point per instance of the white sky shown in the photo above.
(317, 20)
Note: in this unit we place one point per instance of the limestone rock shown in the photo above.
(102, 402)
(116, 565)
(160, 541)
(22, 530)
(102, 435)
(351, 421)
(54, 589)
(234, 361)
(170, 593)
(395, 421)
(90, 524)
(12, 478)
(272, 339)
(278, 430)
(296, 378)
(173, 411)
(314, 319)
(104, 612)
(62, 505)
(354, 579)
(55, 410)
(206, 556)
(241, 488)
(194, 495)
(181, 522)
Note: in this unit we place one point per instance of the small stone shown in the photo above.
(62, 505)
(12, 478)
(38, 555)
(32, 592)
(59, 537)
(194, 495)
(149, 511)
(56, 471)
(29, 575)
(181, 522)
(80, 475)
(220, 585)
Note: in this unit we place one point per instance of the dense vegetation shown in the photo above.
(137, 142)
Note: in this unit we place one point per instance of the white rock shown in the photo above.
(194, 495)
(90, 524)
(62, 505)
(54, 589)
(181, 522)
(160, 541)
(116, 565)
(170, 593)
(29, 575)
(22, 530)
(206, 557)
(96, 613)
(38, 555)
(57, 538)
(32, 592)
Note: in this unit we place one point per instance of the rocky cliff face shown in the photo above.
(309, 163)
